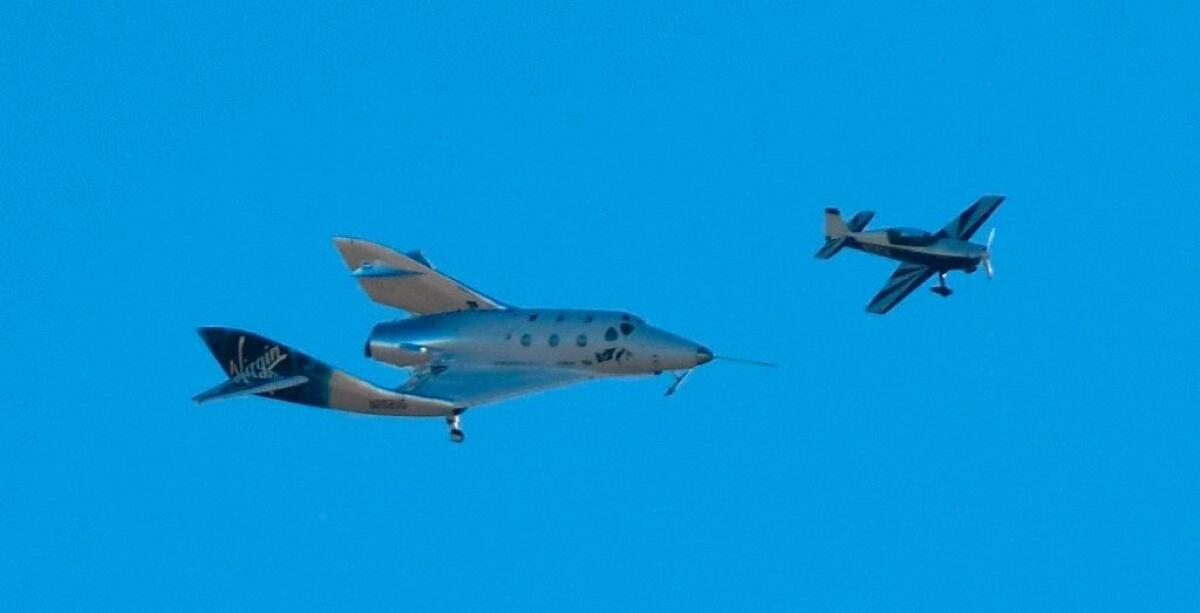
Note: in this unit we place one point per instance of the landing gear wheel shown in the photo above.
(456, 433)
(941, 288)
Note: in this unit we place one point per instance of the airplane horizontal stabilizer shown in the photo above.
(832, 246)
(859, 222)
(233, 388)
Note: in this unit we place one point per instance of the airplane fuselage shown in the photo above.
(465, 349)
(940, 253)
(606, 343)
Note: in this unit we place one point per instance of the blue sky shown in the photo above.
(1029, 443)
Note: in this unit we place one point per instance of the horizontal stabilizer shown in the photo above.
(832, 246)
(859, 222)
(234, 388)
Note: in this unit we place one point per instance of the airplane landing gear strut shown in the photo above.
(941, 288)
(456, 433)
(678, 381)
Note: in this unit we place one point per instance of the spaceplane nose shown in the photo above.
(703, 355)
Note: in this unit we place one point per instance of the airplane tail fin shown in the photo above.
(835, 227)
(837, 231)
(259, 366)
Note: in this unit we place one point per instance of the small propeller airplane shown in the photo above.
(922, 254)
(464, 349)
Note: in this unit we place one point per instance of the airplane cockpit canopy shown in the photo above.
(911, 237)
(632, 317)
(627, 323)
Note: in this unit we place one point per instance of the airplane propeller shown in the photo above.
(987, 255)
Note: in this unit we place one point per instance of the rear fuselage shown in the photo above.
(919, 247)
(601, 342)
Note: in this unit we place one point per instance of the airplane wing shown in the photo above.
(902, 282)
(407, 282)
(471, 386)
(965, 225)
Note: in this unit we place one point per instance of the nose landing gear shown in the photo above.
(678, 381)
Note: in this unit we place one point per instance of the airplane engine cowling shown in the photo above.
(396, 353)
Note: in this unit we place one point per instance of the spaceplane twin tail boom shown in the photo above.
(464, 349)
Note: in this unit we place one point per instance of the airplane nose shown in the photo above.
(703, 355)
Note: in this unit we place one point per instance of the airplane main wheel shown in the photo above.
(942, 291)
(457, 436)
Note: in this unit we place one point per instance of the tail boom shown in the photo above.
(259, 366)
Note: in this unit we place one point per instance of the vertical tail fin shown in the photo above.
(259, 366)
(835, 227)
(836, 232)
